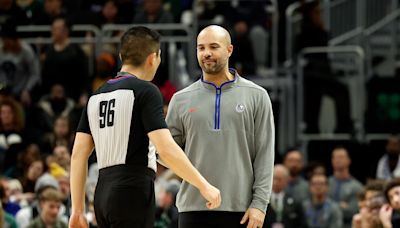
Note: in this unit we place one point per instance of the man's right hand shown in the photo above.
(212, 195)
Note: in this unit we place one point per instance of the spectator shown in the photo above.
(242, 58)
(166, 212)
(9, 10)
(62, 135)
(32, 174)
(64, 63)
(389, 214)
(108, 14)
(298, 186)
(19, 67)
(389, 164)
(318, 78)
(312, 168)
(16, 195)
(62, 156)
(31, 7)
(9, 207)
(283, 211)
(50, 202)
(54, 105)
(368, 217)
(343, 188)
(152, 12)
(26, 215)
(11, 127)
(52, 10)
(320, 211)
(24, 159)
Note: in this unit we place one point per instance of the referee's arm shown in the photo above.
(81, 151)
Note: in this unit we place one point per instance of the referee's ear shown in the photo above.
(152, 59)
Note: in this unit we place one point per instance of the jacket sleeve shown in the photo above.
(264, 138)
(174, 123)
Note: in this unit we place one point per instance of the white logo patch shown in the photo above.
(240, 108)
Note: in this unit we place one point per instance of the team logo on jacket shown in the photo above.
(240, 108)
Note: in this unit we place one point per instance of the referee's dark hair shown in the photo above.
(137, 43)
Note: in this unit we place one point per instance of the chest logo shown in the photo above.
(240, 108)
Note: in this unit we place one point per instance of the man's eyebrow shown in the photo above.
(211, 44)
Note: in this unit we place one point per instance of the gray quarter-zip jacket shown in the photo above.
(228, 134)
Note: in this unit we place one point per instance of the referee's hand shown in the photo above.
(212, 195)
(77, 220)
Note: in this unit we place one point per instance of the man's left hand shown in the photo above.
(255, 217)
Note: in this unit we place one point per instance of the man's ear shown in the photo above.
(151, 58)
(230, 49)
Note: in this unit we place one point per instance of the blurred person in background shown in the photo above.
(54, 105)
(320, 211)
(242, 58)
(8, 206)
(167, 212)
(283, 211)
(64, 62)
(389, 164)
(318, 77)
(152, 11)
(62, 135)
(15, 193)
(62, 156)
(343, 188)
(10, 10)
(27, 214)
(368, 217)
(12, 125)
(32, 174)
(19, 65)
(389, 213)
(312, 168)
(23, 160)
(52, 10)
(50, 201)
(298, 186)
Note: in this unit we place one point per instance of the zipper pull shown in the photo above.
(218, 91)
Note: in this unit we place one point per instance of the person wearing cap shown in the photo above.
(19, 66)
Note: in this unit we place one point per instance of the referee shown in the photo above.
(120, 119)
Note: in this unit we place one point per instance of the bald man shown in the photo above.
(225, 125)
(284, 210)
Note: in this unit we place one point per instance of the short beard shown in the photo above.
(216, 69)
